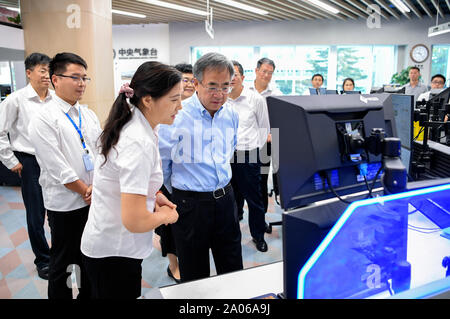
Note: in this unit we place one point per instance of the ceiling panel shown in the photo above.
(278, 10)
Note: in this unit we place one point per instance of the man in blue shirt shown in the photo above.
(196, 152)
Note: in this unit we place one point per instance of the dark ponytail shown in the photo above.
(151, 79)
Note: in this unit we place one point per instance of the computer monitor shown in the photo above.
(5, 90)
(394, 89)
(312, 146)
(331, 92)
(350, 92)
(404, 114)
(320, 91)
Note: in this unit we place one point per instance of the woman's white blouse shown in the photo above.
(133, 166)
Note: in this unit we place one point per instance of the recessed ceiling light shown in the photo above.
(400, 5)
(174, 6)
(325, 6)
(131, 14)
(243, 6)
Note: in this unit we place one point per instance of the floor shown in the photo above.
(18, 275)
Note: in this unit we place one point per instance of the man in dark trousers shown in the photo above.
(17, 152)
(196, 152)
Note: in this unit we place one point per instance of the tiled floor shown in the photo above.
(18, 275)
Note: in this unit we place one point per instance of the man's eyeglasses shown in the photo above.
(76, 78)
(214, 90)
(186, 81)
(437, 82)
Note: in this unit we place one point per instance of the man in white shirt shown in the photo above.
(253, 131)
(65, 134)
(17, 152)
(437, 85)
(263, 72)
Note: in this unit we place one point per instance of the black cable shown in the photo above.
(332, 189)
(421, 130)
(374, 181)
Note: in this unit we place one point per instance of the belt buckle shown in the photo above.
(219, 196)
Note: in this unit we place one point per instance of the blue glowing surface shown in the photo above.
(365, 250)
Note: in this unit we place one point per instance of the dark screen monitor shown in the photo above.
(404, 115)
(350, 92)
(5, 90)
(330, 92)
(311, 148)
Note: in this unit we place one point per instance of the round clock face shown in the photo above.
(419, 53)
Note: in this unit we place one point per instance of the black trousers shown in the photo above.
(66, 231)
(34, 206)
(246, 181)
(206, 223)
(114, 277)
(165, 233)
(265, 165)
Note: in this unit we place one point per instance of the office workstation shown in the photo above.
(350, 198)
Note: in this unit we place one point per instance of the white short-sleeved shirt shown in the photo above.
(59, 151)
(133, 166)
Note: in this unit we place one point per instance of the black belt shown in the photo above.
(218, 193)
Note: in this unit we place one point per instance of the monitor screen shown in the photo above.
(350, 92)
(404, 113)
(312, 156)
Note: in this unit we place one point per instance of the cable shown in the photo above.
(332, 189)
(374, 181)
(421, 130)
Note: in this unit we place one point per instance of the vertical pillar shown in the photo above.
(83, 27)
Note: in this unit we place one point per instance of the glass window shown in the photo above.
(369, 65)
(440, 61)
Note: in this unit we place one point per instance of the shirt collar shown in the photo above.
(245, 93)
(199, 106)
(32, 94)
(152, 132)
(64, 106)
(268, 89)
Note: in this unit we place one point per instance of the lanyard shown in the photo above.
(78, 128)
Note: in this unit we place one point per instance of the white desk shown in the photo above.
(245, 284)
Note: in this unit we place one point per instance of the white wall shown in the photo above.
(11, 38)
(324, 32)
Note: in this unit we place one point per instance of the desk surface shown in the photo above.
(245, 284)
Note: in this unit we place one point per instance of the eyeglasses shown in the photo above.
(214, 90)
(76, 78)
(186, 81)
(437, 82)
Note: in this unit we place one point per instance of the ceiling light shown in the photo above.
(131, 14)
(439, 29)
(174, 6)
(401, 6)
(243, 6)
(13, 9)
(325, 6)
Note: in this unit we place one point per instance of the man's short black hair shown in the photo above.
(317, 74)
(265, 61)
(414, 68)
(239, 66)
(59, 63)
(439, 76)
(184, 67)
(36, 58)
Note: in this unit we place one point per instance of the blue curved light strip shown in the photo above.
(343, 219)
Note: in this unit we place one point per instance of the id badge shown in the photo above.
(88, 165)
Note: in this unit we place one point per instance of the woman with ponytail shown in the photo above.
(126, 206)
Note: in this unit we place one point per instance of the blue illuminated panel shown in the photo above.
(369, 239)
